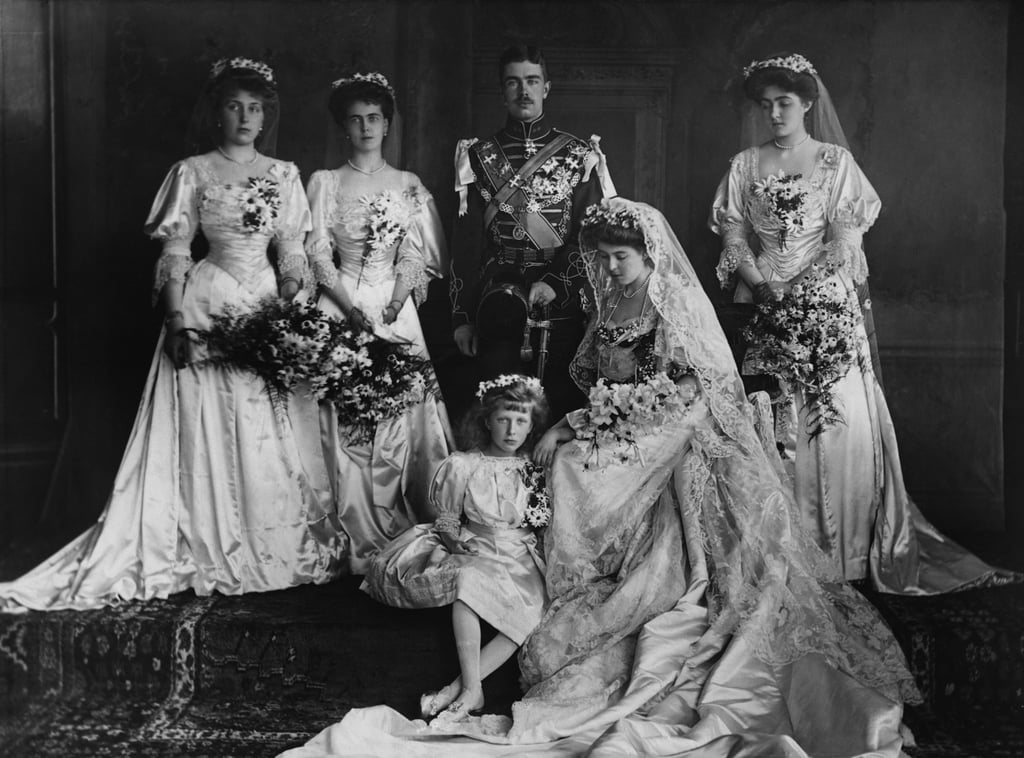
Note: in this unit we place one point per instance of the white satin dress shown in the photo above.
(216, 491)
(503, 582)
(848, 480)
(380, 488)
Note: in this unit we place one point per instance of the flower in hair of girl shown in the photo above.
(538, 507)
(785, 201)
(807, 339)
(290, 343)
(261, 204)
(618, 413)
(532, 383)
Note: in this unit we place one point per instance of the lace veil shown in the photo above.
(769, 582)
(822, 120)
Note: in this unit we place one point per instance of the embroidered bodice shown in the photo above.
(625, 352)
(793, 219)
(396, 232)
(238, 220)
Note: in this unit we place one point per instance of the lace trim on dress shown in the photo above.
(414, 275)
(172, 265)
(294, 265)
(734, 254)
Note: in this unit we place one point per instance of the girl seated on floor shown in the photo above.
(481, 555)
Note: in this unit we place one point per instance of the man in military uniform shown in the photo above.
(517, 237)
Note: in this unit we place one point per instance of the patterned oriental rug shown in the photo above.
(250, 676)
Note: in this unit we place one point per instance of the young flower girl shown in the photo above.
(481, 554)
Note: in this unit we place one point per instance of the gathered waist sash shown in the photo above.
(498, 532)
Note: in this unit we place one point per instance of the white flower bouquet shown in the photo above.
(808, 339)
(617, 414)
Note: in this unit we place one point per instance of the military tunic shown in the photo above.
(530, 186)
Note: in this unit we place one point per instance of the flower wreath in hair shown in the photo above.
(246, 64)
(622, 213)
(508, 380)
(374, 77)
(795, 62)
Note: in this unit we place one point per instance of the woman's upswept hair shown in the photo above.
(206, 131)
(523, 395)
(343, 96)
(788, 80)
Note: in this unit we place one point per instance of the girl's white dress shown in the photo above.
(504, 582)
(216, 489)
(380, 488)
(848, 480)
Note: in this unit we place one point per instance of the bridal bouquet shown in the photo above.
(538, 507)
(367, 378)
(785, 199)
(618, 414)
(808, 339)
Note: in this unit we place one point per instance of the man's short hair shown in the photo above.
(519, 54)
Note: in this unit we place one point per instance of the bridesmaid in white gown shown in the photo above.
(216, 491)
(381, 226)
(848, 480)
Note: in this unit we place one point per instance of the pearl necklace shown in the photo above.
(790, 147)
(377, 170)
(235, 160)
(637, 290)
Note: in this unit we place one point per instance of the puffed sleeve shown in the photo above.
(422, 253)
(293, 222)
(853, 207)
(318, 243)
(447, 492)
(729, 220)
(174, 218)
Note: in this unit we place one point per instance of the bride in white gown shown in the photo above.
(689, 614)
(216, 491)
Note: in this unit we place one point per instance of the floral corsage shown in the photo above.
(538, 507)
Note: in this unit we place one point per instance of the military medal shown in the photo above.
(531, 148)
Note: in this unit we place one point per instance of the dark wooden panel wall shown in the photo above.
(921, 88)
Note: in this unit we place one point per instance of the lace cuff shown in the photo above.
(414, 276)
(294, 265)
(448, 523)
(173, 264)
(734, 254)
(845, 252)
(321, 265)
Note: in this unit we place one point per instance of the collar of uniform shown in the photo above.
(524, 130)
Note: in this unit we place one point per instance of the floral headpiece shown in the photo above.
(507, 380)
(795, 62)
(248, 64)
(374, 77)
(622, 215)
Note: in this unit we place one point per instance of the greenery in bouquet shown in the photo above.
(277, 340)
(618, 414)
(808, 340)
(368, 379)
